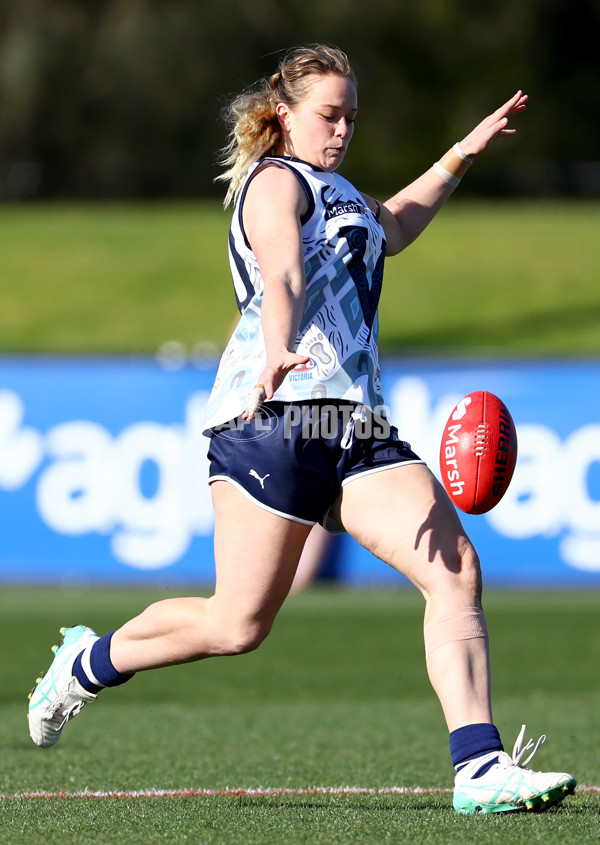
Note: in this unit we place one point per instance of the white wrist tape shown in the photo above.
(462, 154)
(444, 174)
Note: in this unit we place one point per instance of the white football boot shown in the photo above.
(508, 785)
(58, 696)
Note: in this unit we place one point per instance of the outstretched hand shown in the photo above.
(270, 379)
(494, 126)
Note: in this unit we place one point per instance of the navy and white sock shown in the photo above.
(474, 741)
(93, 667)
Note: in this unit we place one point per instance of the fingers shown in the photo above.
(517, 103)
(294, 360)
(495, 126)
(272, 378)
(521, 104)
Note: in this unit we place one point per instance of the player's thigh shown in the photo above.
(404, 517)
(256, 554)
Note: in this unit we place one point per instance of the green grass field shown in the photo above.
(336, 697)
(486, 278)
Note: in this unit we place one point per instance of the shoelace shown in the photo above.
(70, 712)
(518, 752)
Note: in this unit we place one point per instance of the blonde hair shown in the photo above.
(254, 126)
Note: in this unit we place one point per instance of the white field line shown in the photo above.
(260, 792)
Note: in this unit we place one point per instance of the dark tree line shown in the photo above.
(122, 98)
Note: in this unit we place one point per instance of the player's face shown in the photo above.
(318, 130)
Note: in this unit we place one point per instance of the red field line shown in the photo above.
(267, 792)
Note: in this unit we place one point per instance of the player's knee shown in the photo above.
(459, 575)
(469, 571)
(242, 636)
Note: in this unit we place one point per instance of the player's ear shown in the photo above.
(283, 112)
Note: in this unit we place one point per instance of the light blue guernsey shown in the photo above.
(344, 249)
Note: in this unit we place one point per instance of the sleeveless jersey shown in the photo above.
(344, 248)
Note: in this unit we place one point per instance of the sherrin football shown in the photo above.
(478, 452)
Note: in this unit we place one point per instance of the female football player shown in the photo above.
(299, 433)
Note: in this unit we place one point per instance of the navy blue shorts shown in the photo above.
(293, 458)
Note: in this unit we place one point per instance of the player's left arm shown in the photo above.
(406, 214)
(272, 212)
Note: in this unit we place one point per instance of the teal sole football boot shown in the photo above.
(58, 696)
(509, 786)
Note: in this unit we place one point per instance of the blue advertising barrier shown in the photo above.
(103, 470)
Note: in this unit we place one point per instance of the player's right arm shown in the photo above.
(405, 215)
(273, 207)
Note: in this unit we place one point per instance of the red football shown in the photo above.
(478, 452)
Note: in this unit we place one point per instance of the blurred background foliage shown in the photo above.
(121, 99)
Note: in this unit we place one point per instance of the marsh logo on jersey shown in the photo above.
(337, 207)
